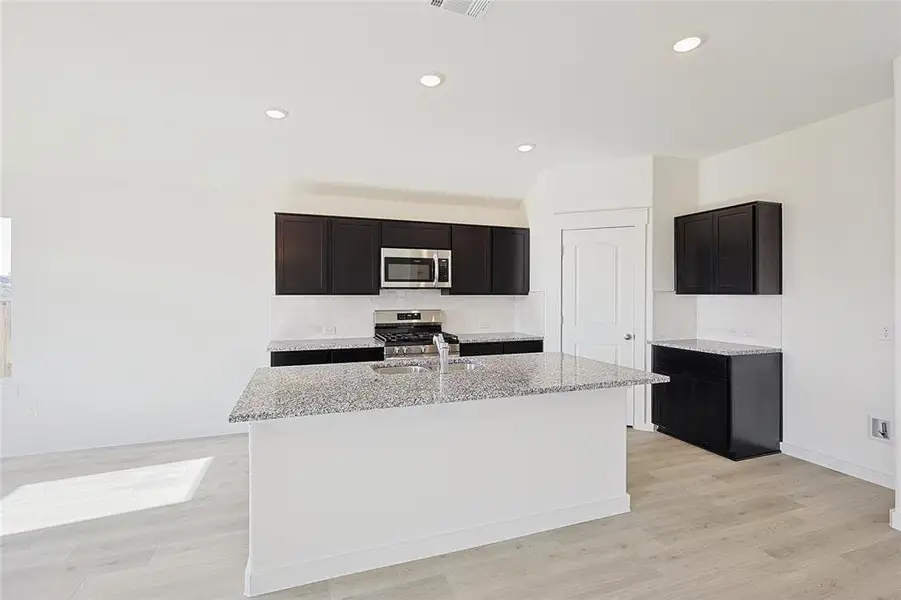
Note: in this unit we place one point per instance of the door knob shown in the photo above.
(628, 336)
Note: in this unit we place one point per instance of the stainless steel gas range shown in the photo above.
(410, 333)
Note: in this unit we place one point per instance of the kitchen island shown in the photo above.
(353, 468)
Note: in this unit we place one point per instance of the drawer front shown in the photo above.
(672, 361)
(481, 349)
(523, 347)
(358, 355)
(299, 357)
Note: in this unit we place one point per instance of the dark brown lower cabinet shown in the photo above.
(729, 405)
(524, 347)
(296, 358)
(488, 348)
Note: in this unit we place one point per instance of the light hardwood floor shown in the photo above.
(702, 527)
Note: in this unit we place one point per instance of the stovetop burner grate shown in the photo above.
(417, 339)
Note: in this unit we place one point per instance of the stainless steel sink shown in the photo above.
(400, 370)
(460, 367)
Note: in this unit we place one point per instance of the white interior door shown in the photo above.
(599, 311)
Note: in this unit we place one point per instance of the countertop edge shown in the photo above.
(737, 350)
(651, 379)
(323, 344)
(488, 337)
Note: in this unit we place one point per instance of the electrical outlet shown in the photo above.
(885, 333)
(880, 429)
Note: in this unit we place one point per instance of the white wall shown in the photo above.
(835, 179)
(143, 307)
(675, 193)
(896, 516)
(741, 319)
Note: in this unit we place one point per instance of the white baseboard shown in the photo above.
(264, 580)
(895, 518)
(886, 480)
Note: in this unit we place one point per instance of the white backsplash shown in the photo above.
(319, 317)
(755, 320)
(675, 316)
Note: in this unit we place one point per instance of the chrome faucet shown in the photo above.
(443, 349)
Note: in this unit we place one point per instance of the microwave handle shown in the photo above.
(435, 258)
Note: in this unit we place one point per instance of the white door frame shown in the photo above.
(602, 219)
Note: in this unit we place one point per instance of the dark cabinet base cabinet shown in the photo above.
(488, 348)
(323, 357)
(729, 405)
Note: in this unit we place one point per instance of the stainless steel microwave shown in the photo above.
(410, 268)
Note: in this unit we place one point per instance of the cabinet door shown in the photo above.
(733, 242)
(659, 403)
(409, 234)
(710, 404)
(349, 355)
(471, 262)
(481, 349)
(672, 406)
(524, 347)
(355, 254)
(299, 357)
(694, 254)
(509, 260)
(301, 254)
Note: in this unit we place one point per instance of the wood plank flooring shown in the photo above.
(701, 527)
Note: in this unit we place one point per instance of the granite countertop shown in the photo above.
(714, 347)
(283, 392)
(325, 344)
(474, 338)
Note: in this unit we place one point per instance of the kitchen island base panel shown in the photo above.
(336, 494)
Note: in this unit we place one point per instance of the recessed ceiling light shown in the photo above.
(687, 44)
(525, 147)
(276, 113)
(432, 79)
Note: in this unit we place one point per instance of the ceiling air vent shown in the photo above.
(471, 8)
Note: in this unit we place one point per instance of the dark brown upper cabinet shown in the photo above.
(409, 234)
(471, 259)
(694, 254)
(341, 255)
(355, 249)
(733, 250)
(301, 254)
(509, 260)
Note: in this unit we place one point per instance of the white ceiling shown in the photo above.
(177, 91)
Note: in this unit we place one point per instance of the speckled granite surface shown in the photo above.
(282, 392)
(714, 347)
(332, 344)
(478, 338)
